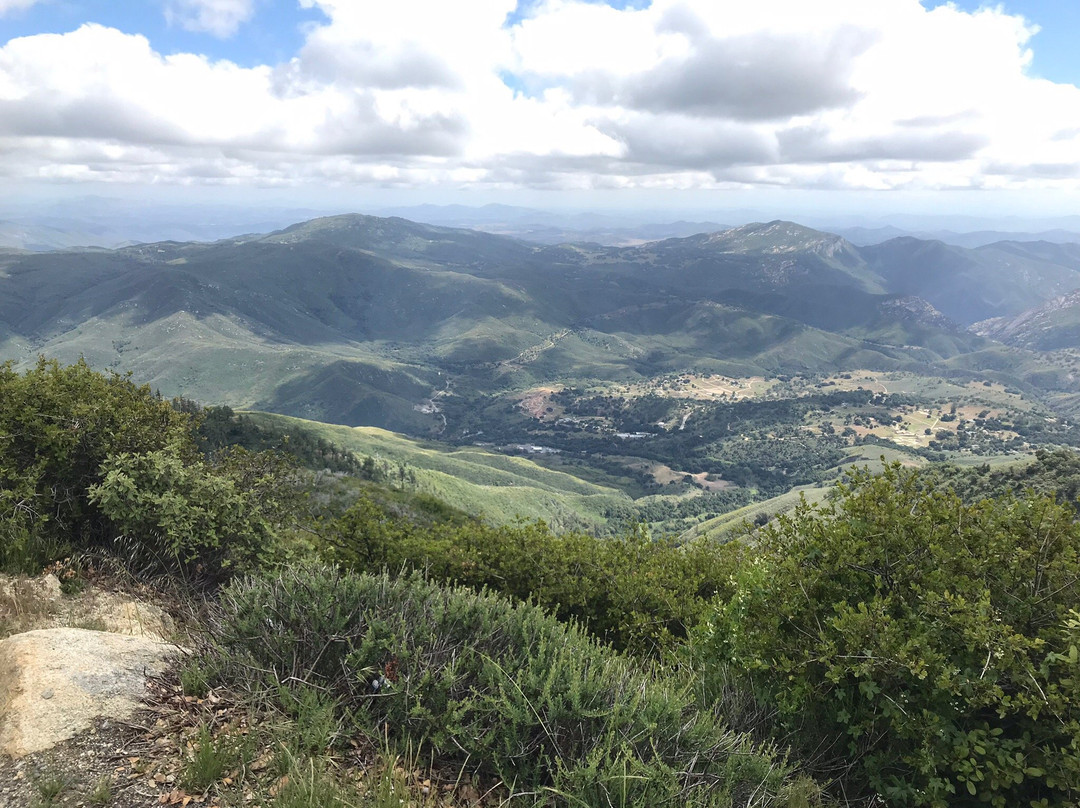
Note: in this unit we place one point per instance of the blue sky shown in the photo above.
(627, 99)
(273, 35)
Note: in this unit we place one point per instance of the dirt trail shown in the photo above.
(533, 353)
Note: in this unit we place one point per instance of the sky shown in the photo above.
(872, 105)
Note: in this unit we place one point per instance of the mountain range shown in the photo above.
(366, 320)
(1053, 325)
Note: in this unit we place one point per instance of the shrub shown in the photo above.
(635, 592)
(91, 461)
(212, 757)
(57, 425)
(208, 517)
(926, 642)
(506, 687)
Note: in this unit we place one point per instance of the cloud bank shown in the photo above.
(574, 95)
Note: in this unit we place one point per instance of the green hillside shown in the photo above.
(374, 649)
(483, 483)
(368, 321)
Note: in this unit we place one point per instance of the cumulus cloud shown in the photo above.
(577, 94)
(758, 77)
(818, 144)
(679, 141)
(100, 84)
(221, 18)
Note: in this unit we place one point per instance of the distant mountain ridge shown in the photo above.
(973, 285)
(866, 236)
(361, 320)
(1051, 326)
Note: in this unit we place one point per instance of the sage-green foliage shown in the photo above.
(102, 793)
(315, 725)
(1053, 473)
(212, 757)
(57, 426)
(220, 515)
(90, 462)
(50, 786)
(925, 641)
(309, 783)
(633, 591)
(505, 688)
(196, 672)
(208, 760)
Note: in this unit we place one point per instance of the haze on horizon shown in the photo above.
(838, 107)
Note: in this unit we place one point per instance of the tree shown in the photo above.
(207, 518)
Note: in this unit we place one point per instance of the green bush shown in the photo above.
(210, 758)
(927, 643)
(506, 688)
(57, 426)
(213, 517)
(91, 461)
(634, 592)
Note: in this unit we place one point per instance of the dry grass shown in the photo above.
(67, 596)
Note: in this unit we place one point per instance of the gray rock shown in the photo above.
(35, 603)
(89, 673)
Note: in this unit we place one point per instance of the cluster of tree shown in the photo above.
(924, 647)
(1053, 473)
(632, 591)
(714, 502)
(1037, 428)
(219, 427)
(639, 413)
(774, 461)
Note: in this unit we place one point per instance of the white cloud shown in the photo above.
(221, 18)
(14, 5)
(683, 93)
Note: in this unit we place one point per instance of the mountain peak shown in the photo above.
(347, 227)
(778, 237)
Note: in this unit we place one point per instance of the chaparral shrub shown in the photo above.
(503, 688)
(927, 645)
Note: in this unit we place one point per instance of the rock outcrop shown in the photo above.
(55, 682)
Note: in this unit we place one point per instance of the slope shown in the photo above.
(362, 320)
(1051, 326)
(483, 483)
(971, 285)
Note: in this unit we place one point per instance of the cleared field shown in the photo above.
(709, 387)
(713, 387)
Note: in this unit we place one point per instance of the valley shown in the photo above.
(527, 404)
(667, 382)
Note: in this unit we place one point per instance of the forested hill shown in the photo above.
(357, 319)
